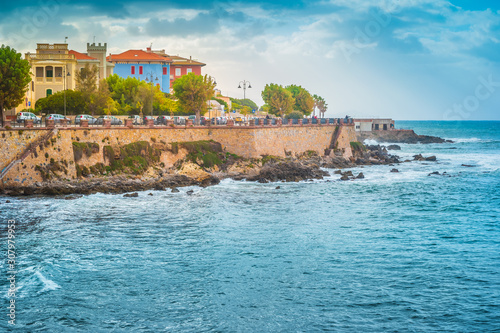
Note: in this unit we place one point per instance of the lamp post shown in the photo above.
(244, 82)
(151, 74)
(64, 74)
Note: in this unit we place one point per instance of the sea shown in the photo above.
(406, 251)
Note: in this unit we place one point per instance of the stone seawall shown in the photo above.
(248, 142)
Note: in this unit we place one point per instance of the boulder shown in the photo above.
(431, 158)
(344, 177)
(393, 147)
(394, 170)
(360, 176)
(131, 195)
(175, 190)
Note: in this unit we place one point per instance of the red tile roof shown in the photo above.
(80, 56)
(137, 55)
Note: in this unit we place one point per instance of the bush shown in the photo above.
(294, 115)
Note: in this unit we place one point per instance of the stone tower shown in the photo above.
(99, 52)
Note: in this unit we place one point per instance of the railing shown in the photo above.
(30, 56)
(205, 122)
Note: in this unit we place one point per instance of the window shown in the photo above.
(189, 70)
(132, 70)
(177, 72)
(49, 71)
(49, 92)
(164, 70)
(140, 70)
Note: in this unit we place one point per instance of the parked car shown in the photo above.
(57, 118)
(162, 120)
(136, 120)
(238, 120)
(114, 120)
(90, 119)
(146, 118)
(179, 120)
(22, 116)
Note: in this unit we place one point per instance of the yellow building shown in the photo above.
(53, 69)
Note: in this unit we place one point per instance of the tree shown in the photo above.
(86, 80)
(320, 103)
(14, 79)
(244, 102)
(295, 115)
(279, 99)
(75, 103)
(303, 99)
(192, 92)
(100, 101)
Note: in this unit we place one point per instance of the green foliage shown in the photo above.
(192, 92)
(357, 146)
(294, 115)
(86, 80)
(270, 158)
(279, 99)
(304, 102)
(75, 103)
(135, 157)
(14, 79)
(204, 153)
(79, 148)
(241, 103)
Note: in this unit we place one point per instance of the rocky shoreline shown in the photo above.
(196, 173)
(400, 136)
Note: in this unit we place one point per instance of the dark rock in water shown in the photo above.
(72, 197)
(393, 147)
(131, 195)
(360, 176)
(190, 192)
(344, 177)
(151, 194)
(338, 172)
(288, 170)
(434, 173)
(175, 190)
(394, 170)
(430, 158)
(278, 187)
(212, 180)
(348, 173)
(468, 166)
(158, 187)
(453, 148)
(418, 157)
(7, 201)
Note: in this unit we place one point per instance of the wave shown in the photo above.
(470, 140)
(47, 283)
(370, 142)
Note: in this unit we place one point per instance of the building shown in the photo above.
(181, 66)
(143, 65)
(53, 68)
(218, 95)
(368, 125)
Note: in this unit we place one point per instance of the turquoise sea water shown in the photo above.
(395, 252)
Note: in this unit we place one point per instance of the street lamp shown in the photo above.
(244, 87)
(151, 74)
(64, 86)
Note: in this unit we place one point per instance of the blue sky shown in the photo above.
(405, 59)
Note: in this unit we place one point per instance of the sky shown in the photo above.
(400, 59)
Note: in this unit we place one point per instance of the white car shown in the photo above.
(22, 116)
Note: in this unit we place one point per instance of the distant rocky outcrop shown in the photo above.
(399, 136)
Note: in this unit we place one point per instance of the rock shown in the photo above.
(7, 201)
(337, 172)
(288, 170)
(393, 147)
(131, 195)
(189, 192)
(468, 166)
(151, 194)
(72, 197)
(344, 177)
(175, 190)
(431, 158)
(278, 187)
(360, 176)
(394, 170)
(434, 173)
(348, 173)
